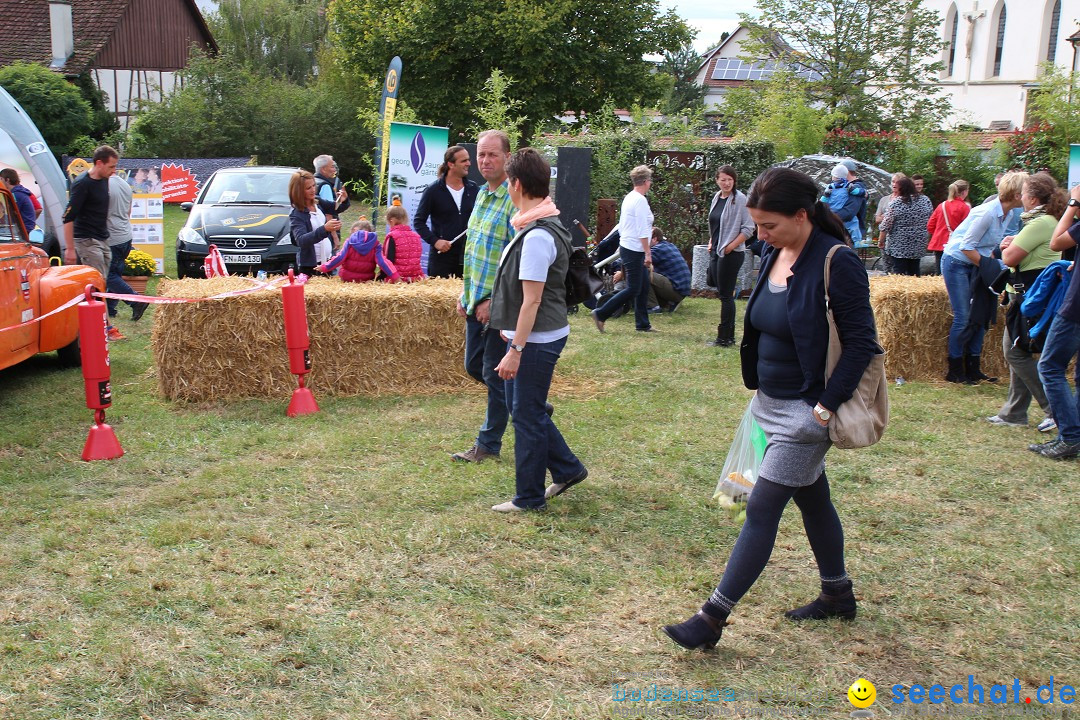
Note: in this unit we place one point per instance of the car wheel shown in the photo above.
(69, 355)
(180, 274)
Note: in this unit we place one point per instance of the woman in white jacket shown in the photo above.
(729, 228)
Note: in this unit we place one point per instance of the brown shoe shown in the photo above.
(474, 454)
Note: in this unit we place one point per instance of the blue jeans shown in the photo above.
(1061, 345)
(483, 351)
(637, 290)
(115, 283)
(958, 276)
(538, 444)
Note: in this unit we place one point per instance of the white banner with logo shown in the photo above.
(416, 152)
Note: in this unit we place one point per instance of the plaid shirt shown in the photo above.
(669, 262)
(489, 232)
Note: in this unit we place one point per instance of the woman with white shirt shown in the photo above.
(528, 306)
(971, 243)
(635, 232)
(310, 224)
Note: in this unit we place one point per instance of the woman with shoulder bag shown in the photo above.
(1028, 253)
(946, 217)
(729, 227)
(784, 348)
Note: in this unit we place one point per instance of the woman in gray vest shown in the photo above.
(528, 306)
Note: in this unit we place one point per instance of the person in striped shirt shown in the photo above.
(489, 231)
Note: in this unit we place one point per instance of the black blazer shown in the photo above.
(447, 222)
(307, 237)
(850, 293)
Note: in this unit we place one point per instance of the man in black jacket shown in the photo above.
(447, 203)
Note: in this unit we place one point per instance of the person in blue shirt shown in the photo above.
(846, 200)
(972, 243)
(669, 283)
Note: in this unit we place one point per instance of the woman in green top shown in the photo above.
(1027, 253)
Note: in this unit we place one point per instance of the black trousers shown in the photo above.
(726, 269)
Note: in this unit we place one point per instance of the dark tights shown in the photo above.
(755, 543)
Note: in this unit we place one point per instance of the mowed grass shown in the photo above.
(236, 563)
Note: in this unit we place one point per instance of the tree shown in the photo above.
(871, 58)
(1055, 105)
(497, 110)
(685, 95)
(278, 38)
(561, 54)
(55, 105)
(225, 109)
(776, 110)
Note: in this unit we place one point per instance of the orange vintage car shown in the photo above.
(30, 288)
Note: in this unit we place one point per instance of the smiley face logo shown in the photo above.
(862, 693)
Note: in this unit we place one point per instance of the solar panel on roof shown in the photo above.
(736, 69)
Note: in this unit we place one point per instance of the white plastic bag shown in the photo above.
(740, 470)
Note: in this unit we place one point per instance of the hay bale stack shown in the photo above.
(366, 339)
(913, 319)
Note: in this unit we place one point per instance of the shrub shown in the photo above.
(886, 150)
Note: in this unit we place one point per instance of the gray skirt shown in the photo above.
(797, 443)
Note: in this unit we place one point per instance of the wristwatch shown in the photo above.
(519, 348)
(823, 414)
(1073, 202)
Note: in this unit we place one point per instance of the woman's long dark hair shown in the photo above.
(786, 191)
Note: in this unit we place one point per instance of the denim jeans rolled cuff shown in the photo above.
(539, 447)
(1061, 345)
(115, 282)
(958, 275)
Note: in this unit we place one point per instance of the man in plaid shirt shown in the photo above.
(670, 280)
(489, 231)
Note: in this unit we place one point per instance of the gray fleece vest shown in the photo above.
(507, 295)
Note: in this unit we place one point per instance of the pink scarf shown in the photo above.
(545, 209)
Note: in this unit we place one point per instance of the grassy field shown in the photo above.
(239, 564)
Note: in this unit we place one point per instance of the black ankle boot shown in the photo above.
(973, 370)
(956, 371)
(700, 632)
(834, 602)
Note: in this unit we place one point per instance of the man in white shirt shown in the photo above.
(635, 232)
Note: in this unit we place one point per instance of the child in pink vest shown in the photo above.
(402, 246)
(360, 257)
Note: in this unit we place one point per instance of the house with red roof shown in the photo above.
(133, 49)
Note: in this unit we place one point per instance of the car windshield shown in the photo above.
(10, 231)
(254, 187)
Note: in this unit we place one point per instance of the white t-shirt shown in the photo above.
(457, 195)
(537, 254)
(324, 249)
(635, 221)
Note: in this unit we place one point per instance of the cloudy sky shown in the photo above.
(709, 17)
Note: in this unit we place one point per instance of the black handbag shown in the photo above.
(583, 282)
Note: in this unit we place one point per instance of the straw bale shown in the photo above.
(913, 318)
(366, 339)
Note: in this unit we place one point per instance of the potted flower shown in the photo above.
(138, 267)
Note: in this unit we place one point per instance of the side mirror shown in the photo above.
(186, 206)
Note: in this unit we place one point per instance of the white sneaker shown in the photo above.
(998, 420)
(510, 507)
(1047, 425)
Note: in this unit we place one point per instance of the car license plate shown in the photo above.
(241, 259)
